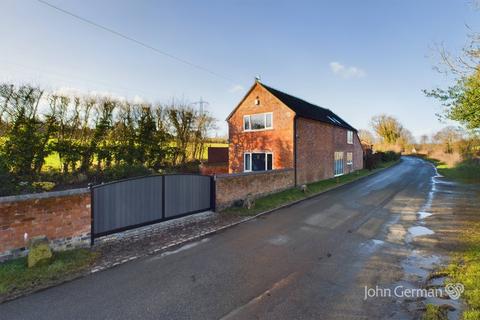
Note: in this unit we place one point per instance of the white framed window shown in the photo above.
(257, 161)
(349, 158)
(246, 123)
(247, 162)
(338, 164)
(257, 122)
(350, 137)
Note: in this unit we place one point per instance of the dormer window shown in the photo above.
(259, 121)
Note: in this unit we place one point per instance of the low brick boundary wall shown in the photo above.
(64, 217)
(236, 186)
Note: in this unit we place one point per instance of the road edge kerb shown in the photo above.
(195, 237)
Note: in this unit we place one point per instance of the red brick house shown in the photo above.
(270, 130)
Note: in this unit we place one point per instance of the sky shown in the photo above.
(357, 58)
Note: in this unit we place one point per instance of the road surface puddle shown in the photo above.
(418, 268)
(279, 240)
(418, 265)
(370, 246)
(423, 214)
(418, 231)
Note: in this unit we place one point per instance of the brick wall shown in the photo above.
(278, 140)
(63, 217)
(237, 186)
(316, 144)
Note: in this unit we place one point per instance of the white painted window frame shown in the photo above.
(264, 120)
(349, 136)
(335, 163)
(245, 162)
(249, 123)
(350, 162)
(251, 160)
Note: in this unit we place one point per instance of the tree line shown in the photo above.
(94, 132)
(389, 134)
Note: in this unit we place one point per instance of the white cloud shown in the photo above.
(345, 71)
(236, 88)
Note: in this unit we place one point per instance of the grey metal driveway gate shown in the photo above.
(136, 202)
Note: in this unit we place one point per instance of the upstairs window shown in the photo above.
(260, 121)
(246, 123)
(350, 137)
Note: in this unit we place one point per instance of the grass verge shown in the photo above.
(465, 269)
(466, 171)
(434, 312)
(465, 264)
(279, 199)
(15, 276)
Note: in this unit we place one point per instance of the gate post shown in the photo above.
(92, 217)
(163, 197)
(213, 191)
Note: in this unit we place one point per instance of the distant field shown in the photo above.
(53, 160)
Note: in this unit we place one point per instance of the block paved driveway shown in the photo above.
(307, 261)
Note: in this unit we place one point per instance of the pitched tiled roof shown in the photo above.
(307, 110)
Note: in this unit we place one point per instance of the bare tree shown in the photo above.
(203, 124)
(448, 137)
(387, 128)
(182, 120)
(366, 136)
(406, 140)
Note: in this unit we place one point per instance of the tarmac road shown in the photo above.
(308, 261)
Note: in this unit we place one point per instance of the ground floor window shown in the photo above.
(338, 163)
(258, 161)
(349, 159)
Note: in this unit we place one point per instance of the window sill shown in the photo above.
(256, 130)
